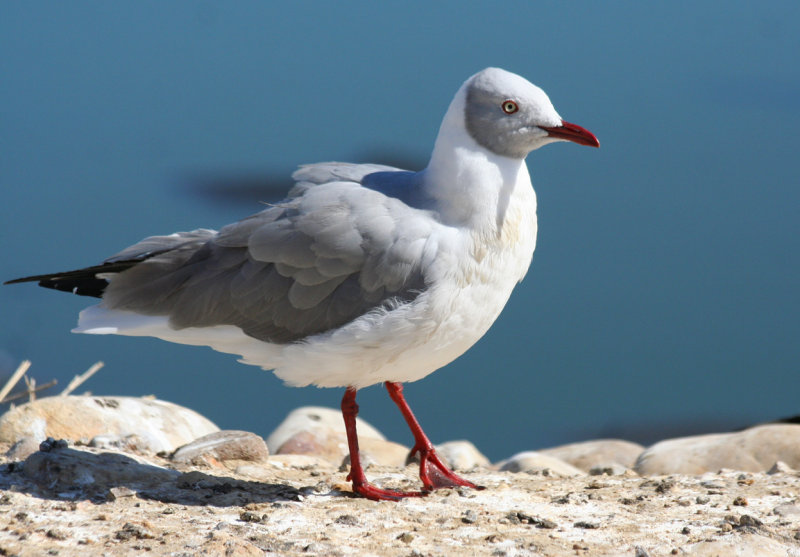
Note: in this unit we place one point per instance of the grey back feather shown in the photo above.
(330, 253)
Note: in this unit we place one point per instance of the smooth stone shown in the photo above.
(752, 450)
(587, 454)
(366, 462)
(331, 445)
(458, 456)
(221, 446)
(462, 455)
(533, 461)
(747, 545)
(309, 418)
(382, 453)
(163, 426)
(72, 472)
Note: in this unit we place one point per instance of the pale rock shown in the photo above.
(222, 446)
(747, 545)
(331, 445)
(162, 426)
(383, 453)
(602, 452)
(457, 455)
(533, 461)
(462, 455)
(366, 462)
(310, 418)
(752, 450)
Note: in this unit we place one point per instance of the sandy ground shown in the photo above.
(297, 506)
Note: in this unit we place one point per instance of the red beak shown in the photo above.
(574, 133)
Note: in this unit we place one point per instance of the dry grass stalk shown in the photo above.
(30, 386)
(15, 377)
(78, 380)
(22, 394)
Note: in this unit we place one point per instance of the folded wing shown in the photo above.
(330, 253)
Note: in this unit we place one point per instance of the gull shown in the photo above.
(364, 274)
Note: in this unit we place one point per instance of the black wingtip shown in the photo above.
(25, 279)
(84, 282)
(82, 285)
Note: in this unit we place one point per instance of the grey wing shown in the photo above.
(309, 175)
(325, 172)
(311, 264)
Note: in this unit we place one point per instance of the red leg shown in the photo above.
(356, 475)
(432, 471)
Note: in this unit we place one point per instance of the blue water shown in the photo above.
(663, 295)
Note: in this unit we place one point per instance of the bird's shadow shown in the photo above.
(271, 185)
(71, 474)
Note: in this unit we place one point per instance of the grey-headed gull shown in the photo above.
(364, 274)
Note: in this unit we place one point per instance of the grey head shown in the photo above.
(510, 116)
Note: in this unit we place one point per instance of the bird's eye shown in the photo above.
(510, 107)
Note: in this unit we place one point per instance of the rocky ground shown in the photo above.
(113, 494)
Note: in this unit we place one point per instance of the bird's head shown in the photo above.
(511, 117)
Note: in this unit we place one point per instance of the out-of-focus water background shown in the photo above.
(663, 296)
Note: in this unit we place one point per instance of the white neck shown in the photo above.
(472, 186)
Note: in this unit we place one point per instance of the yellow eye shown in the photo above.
(510, 107)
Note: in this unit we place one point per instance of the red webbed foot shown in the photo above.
(436, 475)
(370, 491)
